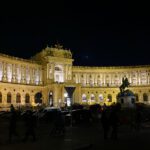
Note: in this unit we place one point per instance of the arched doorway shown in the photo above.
(18, 98)
(136, 97)
(27, 98)
(9, 97)
(145, 97)
(38, 98)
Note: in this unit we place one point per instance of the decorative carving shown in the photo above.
(58, 46)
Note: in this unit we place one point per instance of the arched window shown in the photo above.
(59, 74)
(58, 68)
(83, 97)
(9, 97)
(27, 98)
(0, 97)
(92, 97)
(136, 97)
(101, 97)
(109, 98)
(38, 97)
(145, 97)
(18, 98)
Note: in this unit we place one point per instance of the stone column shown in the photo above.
(69, 72)
(13, 73)
(79, 78)
(16, 75)
(130, 77)
(139, 74)
(75, 77)
(22, 74)
(147, 79)
(148, 76)
(95, 79)
(87, 80)
(137, 78)
(104, 79)
(50, 71)
(4, 77)
(66, 72)
(31, 76)
(25, 74)
(110, 79)
(84, 78)
(120, 78)
(40, 76)
(47, 71)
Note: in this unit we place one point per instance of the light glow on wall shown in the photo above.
(58, 74)
(9, 72)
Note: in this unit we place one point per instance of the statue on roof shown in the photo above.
(58, 46)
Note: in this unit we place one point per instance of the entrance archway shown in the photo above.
(38, 98)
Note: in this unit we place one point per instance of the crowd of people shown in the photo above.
(109, 117)
(30, 124)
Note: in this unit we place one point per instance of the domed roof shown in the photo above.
(56, 51)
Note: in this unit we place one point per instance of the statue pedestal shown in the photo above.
(126, 99)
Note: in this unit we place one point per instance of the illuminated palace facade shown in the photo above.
(51, 70)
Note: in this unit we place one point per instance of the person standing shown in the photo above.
(114, 121)
(30, 123)
(105, 123)
(12, 123)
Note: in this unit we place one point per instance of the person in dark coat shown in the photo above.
(59, 125)
(12, 123)
(105, 122)
(30, 123)
(114, 121)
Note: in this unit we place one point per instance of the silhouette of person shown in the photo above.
(114, 122)
(12, 123)
(138, 118)
(59, 125)
(30, 123)
(105, 122)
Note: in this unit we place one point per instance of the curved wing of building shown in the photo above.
(44, 78)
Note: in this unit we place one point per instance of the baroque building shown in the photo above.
(43, 79)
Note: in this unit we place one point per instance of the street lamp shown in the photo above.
(65, 96)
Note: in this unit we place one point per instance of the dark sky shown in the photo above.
(98, 34)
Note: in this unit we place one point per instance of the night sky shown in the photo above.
(104, 34)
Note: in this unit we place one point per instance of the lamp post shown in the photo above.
(65, 100)
(70, 91)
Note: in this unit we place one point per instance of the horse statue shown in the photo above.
(125, 83)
